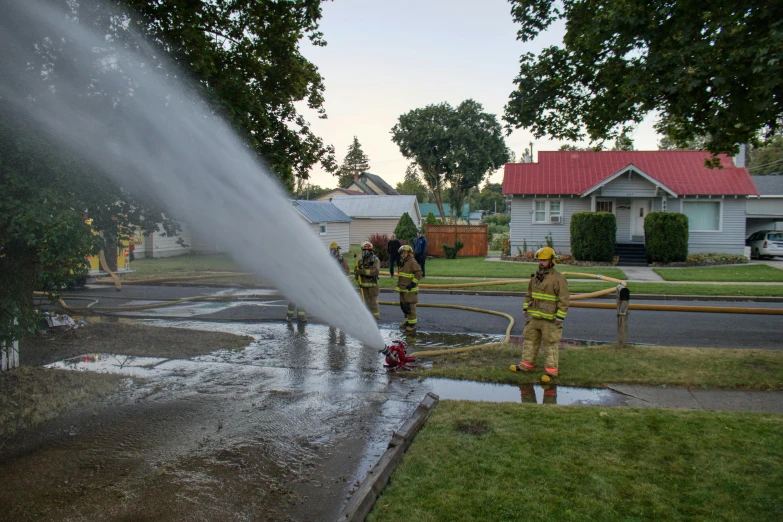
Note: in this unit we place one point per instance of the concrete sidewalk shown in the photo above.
(687, 399)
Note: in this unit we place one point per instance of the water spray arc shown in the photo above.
(163, 140)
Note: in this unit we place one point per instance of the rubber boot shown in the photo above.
(403, 325)
(517, 368)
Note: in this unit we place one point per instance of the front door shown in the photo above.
(639, 210)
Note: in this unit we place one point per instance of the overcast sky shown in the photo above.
(384, 59)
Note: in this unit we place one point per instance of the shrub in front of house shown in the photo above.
(380, 243)
(593, 235)
(432, 220)
(666, 237)
(451, 251)
(498, 240)
(406, 229)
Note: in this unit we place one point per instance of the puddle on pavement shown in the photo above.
(526, 393)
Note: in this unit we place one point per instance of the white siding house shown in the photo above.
(630, 184)
(376, 214)
(326, 221)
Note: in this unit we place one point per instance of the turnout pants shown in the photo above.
(537, 332)
(295, 310)
(408, 301)
(371, 298)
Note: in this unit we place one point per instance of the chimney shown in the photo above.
(356, 177)
(739, 159)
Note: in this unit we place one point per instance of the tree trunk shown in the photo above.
(110, 251)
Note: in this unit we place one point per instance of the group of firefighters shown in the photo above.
(545, 306)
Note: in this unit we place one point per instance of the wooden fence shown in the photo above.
(9, 355)
(475, 238)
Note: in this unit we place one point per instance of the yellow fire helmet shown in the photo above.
(334, 246)
(405, 248)
(546, 253)
(367, 246)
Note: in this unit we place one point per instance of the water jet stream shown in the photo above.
(162, 139)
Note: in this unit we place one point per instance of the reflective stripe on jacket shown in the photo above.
(410, 272)
(548, 298)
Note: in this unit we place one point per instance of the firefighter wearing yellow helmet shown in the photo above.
(334, 250)
(545, 309)
(408, 287)
(366, 273)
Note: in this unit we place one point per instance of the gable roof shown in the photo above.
(769, 185)
(378, 206)
(378, 181)
(320, 212)
(572, 172)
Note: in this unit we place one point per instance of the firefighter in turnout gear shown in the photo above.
(366, 274)
(334, 250)
(545, 309)
(408, 287)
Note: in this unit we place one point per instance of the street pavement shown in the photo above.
(646, 327)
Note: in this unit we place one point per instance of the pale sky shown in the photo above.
(384, 59)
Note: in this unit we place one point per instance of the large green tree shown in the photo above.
(708, 69)
(490, 198)
(413, 185)
(767, 158)
(455, 145)
(355, 162)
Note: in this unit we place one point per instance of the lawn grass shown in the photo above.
(646, 365)
(506, 462)
(188, 264)
(479, 267)
(577, 286)
(736, 273)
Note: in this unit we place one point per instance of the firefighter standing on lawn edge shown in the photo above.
(366, 274)
(545, 309)
(408, 287)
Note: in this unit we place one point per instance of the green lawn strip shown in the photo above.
(644, 365)
(479, 267)
(484, 461)
(740, 274)
(188, 264)
(581, 286)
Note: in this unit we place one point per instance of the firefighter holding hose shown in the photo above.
(408, 287)
(545, 309)
(366, 273)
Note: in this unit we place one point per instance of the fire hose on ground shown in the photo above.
(669, 308)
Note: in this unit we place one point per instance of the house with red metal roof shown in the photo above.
(629, 184)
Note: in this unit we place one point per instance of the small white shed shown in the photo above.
(327, 221)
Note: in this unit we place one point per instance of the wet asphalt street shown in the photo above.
(648, 327)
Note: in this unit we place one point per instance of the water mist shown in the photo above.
(162, 139)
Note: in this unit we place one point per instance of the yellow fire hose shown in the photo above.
(105, 267)
(681, 308)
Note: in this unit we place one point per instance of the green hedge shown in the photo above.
(666, 237)
(593, 235)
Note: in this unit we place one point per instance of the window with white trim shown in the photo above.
(547, 211)
(703, 216)
(322, 229)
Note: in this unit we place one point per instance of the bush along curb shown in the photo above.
(363, 501)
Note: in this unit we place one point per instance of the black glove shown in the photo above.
(411, 285)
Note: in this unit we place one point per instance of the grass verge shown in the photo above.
(30, 395)
(482, 461)
(646, 365)
(739, 274)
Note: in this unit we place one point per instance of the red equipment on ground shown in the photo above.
(396, 358)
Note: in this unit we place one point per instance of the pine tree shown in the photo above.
(406, 229)
(355, 162)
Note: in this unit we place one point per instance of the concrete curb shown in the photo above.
(363, 501)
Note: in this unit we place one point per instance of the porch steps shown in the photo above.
(630, 254)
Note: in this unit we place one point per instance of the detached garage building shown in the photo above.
(326, 221)
(376, 214)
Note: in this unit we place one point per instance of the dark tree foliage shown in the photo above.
(666, 237)
(355, 162)
(405, 229)
(593, 235)
(710, 69)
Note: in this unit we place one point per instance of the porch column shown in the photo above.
(592, 203)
